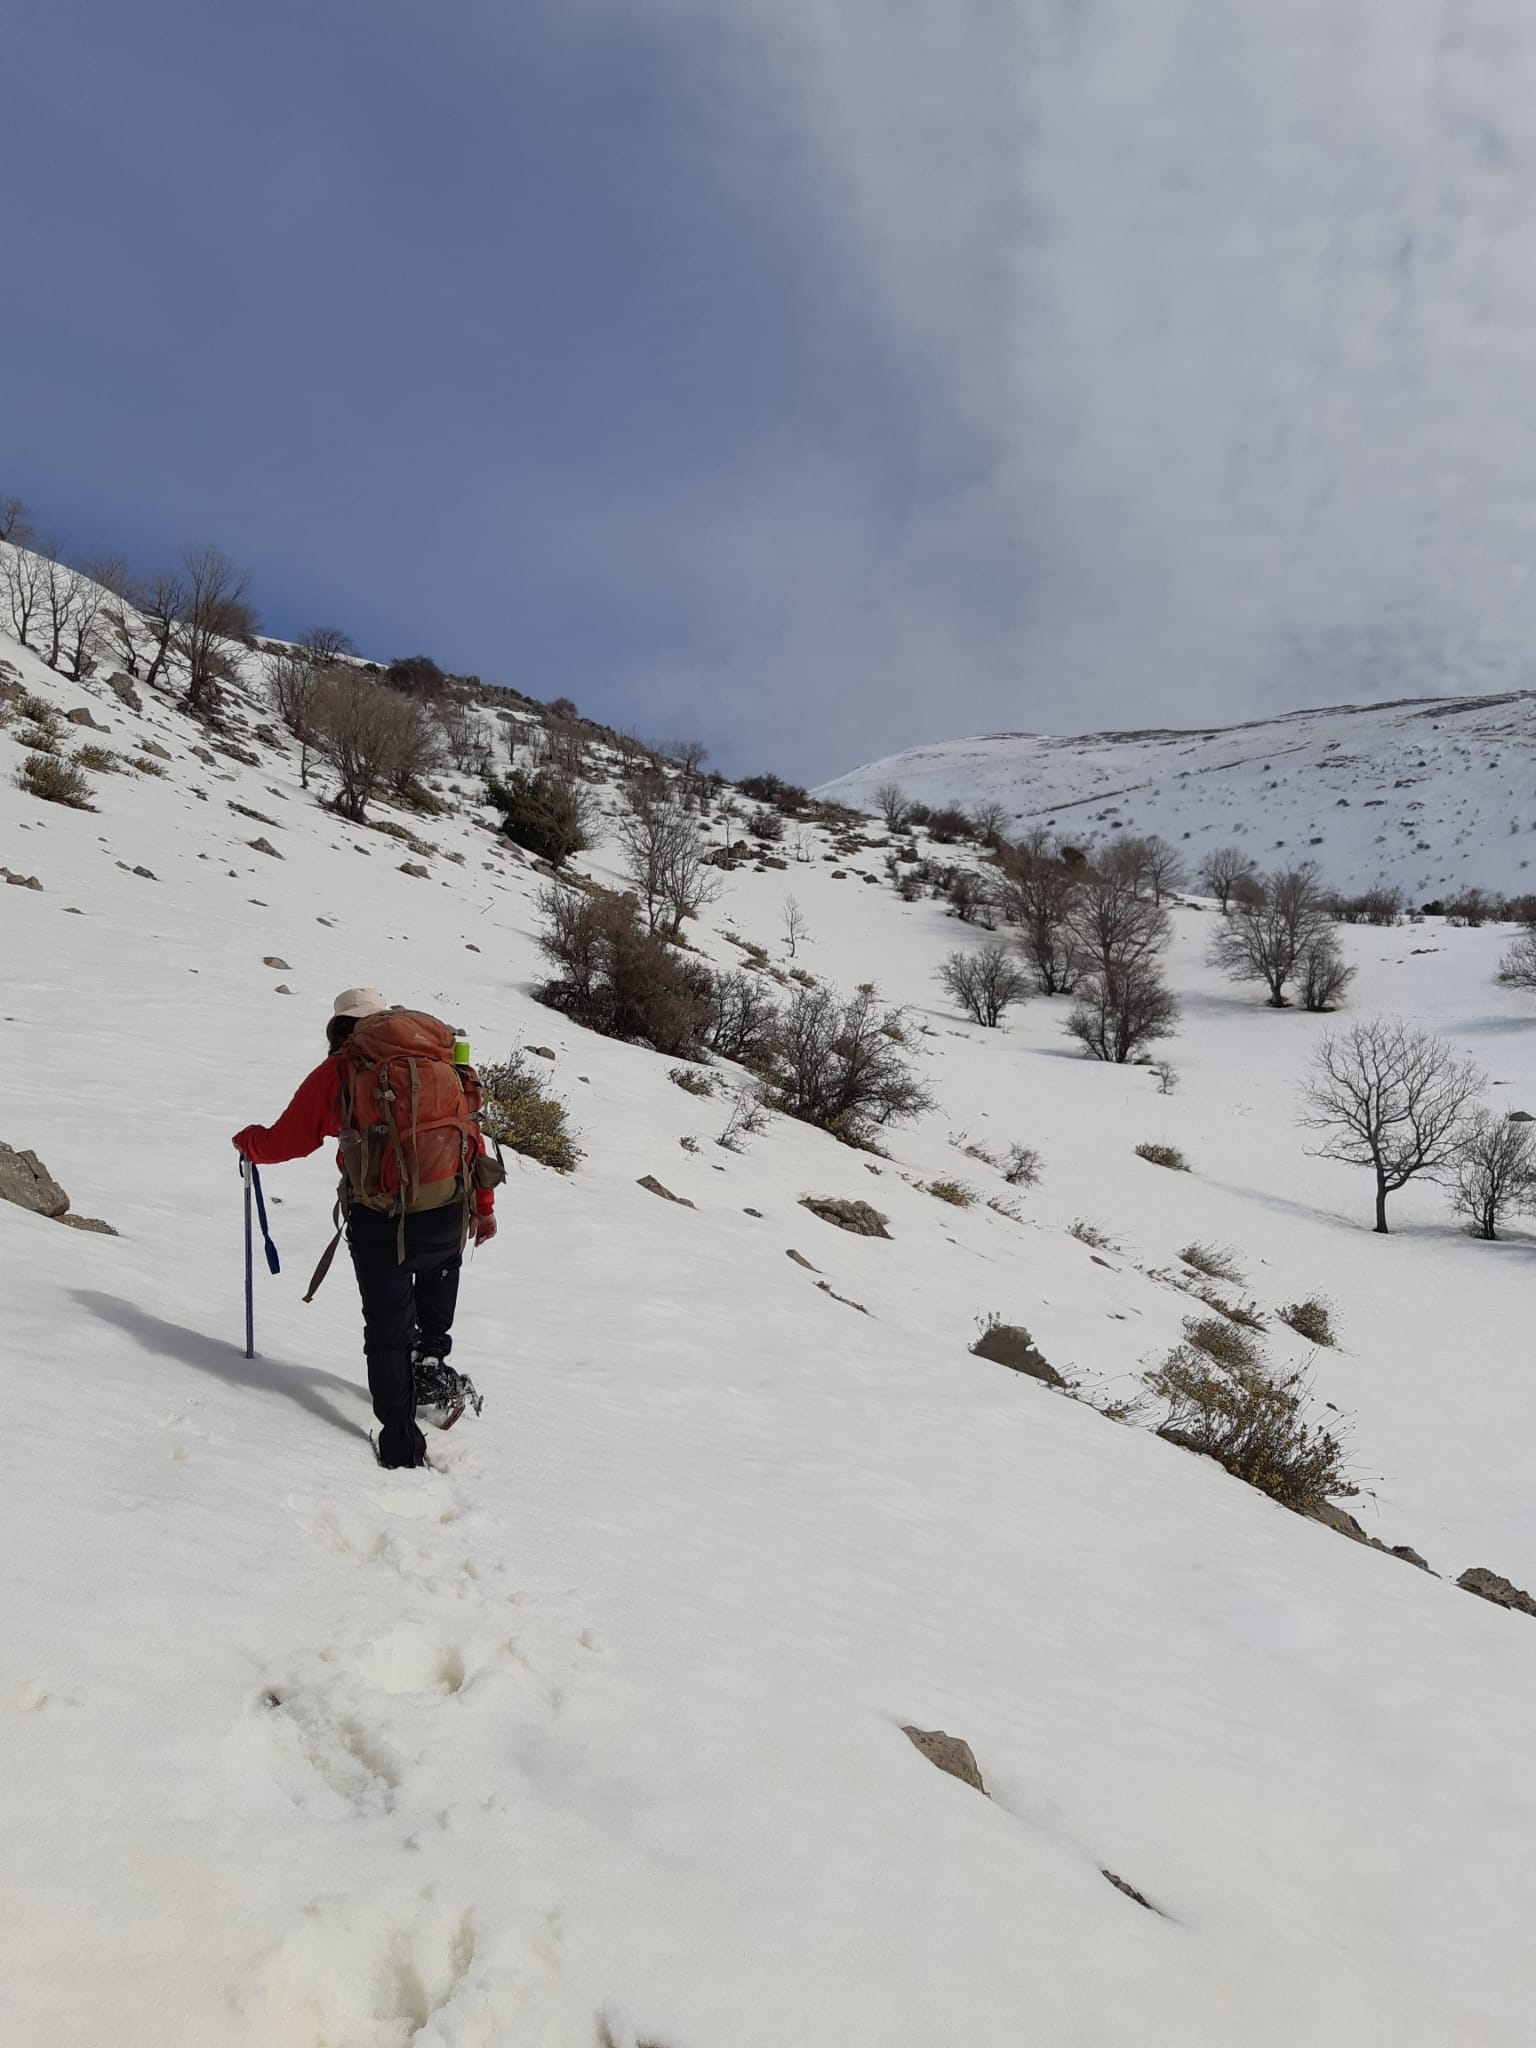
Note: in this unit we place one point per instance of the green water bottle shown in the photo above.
(460, 1047)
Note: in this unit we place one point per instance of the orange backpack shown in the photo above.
(410, 1119)
(410, 1125)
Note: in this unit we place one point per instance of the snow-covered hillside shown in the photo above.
(1431, 795)
(593, 1733)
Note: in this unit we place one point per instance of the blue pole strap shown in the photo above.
(261, 1212)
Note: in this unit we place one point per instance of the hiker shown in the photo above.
(416, 1186)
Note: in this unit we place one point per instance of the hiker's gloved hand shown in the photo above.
(485, 1229)
(243, 1140)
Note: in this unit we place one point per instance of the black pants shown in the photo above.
(401, 1300)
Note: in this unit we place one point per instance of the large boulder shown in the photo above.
(1010, 1344)
(859, 1217)
(25, 1181)
(1488, 1585)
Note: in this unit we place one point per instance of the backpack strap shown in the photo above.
(339, 1218)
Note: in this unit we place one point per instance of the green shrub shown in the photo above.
(547, 812)
(516, 1110)
(1252, 1422)
(691, 1080)
(1164, 1155)
(55, 780)
(1311, 1319)
(955, 1192)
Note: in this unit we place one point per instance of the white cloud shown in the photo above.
(1228, 309)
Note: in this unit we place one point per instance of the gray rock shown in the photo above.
(81, 715)
(20, 881)
(1521, 1116)
(122, 689)
(414, 867)
(25, 1181)
(1010, 1344)
(539, 1052)
(653, 1186)
(859, 1217)
(1488, 1585)
(263, 846)
(203, 755)
(1130, 1890)
(148, 874)
(799, 1257)
(153, 747)
(947, 1753)
(272, 960)
(89, 1223)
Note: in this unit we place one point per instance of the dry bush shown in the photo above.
(371, 737)
(146, 764)
(517, 1110)
(1022, 1167)
(1164, 1155)
(1245, 1314)
(1167, 1075)
(1494, 1170)
(955, 1192)
(98, 760)
(1221, 1340)
(1252, 1422)
(1214, 1262)
(55, 781)
(744, 1019)
(1091, 1235)
(617, 978)
(1312, 1319)
(747, 1119)
(691, 1080)
(40, 737)
(984, 982)
(841, 1066)
(1122, 1008)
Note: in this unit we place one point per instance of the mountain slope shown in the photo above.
(594, 1732)
(1430, 795)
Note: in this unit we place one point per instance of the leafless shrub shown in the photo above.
(1517, 969)
(747, 1119)
(1392, 1097)
(1022, 1167)
(984, 983)
(1324, 977)
(1116, 1013)
(98, 760)
(368, 736)
(955, 1192)
(1493, 1170)
(1163, 1155)
(615, 977)
(892, 806)
(1221, 870)
(666, 858)
(692, 1080)
(744, 1019)
(1312, 1319)
(214, 614)
(842, 1065)
(1091, 1235)
(296, 687)
(1166, 1075)
(1222, 1340)
(1214, 1262)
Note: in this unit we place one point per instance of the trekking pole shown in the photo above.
(246, 1171)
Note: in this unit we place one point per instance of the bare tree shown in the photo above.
(1124, 860)
(58, 589)
(1518, 967)
(1111, 928)
(1323, 973)
(214, 612)
(688, 757)
(794, 925)
(297, 687)
(1494, 1170)
(1121, 1008)
(21, 582)
(989, 818)
(1221, 870)
(365, 732)
(324, 646)
(1268, 939)
(843, 1066)
(666, 858)
(84, 609)
(161, 599)
(984, 983)
(1390, 1096)
(464, 735)
(1161, 867)
(892, 806)
(1037, 898)
(15, 523)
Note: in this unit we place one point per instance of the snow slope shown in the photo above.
(1429, 794)
(593, 1734)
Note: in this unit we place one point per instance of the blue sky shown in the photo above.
(818, 376)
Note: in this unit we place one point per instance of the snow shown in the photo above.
(1430, 795)
(594, 1733)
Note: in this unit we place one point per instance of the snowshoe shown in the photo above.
(442, 1394)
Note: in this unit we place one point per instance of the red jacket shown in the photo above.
(313, 1116)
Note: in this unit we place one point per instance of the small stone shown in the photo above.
(653, 1186)
(414, 867)
(20, 881)
(753, 1212)
(861, 1218)
(947, 1753)
(282, 989)
(148, 874)
(154, 747)
(1130, 1890)
(89, 1223)
(540, 1052)
(263, 846)
(801, 1260)
(1010, 1344)
(273, 960)
(470, 948)
(202, 754)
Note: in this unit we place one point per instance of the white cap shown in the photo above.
(358, 1002)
